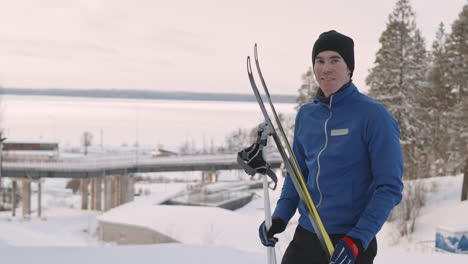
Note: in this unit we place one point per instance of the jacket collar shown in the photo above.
(343, 92)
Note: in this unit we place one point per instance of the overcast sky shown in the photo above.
(188, 45)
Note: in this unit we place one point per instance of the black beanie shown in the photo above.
(338, 42)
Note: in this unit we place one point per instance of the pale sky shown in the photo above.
(186, 45)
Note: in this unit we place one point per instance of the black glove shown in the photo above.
(267, 236)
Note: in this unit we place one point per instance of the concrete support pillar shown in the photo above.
(209, 177)
(4, 194)
(13, 198)
(107, 193)
(2, 191)
(39, 198)
(118, 189)
(84, 193)
(113, 187)
(26, 196)
(98, 194)
(115, 191)
(93, 193)
(204, 177)
(123, 189)
(131, 188)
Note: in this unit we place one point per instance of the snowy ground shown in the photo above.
(209, 235)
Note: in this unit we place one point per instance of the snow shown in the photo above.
(61, 228)
(167, 253)
(207, 235)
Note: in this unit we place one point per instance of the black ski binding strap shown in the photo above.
(251, 159)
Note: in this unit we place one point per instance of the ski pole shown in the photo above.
(271, 255)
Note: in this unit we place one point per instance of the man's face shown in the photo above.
(331, 71)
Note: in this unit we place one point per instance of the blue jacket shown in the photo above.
(349, 152)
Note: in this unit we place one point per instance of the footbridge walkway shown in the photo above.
(97, 166)
(106, 181)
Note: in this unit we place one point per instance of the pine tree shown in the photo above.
(457, 80)
(457, 52)
(437, 77)
(440, 101)
(398, 81)
(461, 125)
(307, 90)
(449, 84)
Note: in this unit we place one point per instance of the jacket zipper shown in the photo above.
(322, 150)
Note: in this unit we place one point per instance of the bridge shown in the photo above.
(99, 166)
(106, 181)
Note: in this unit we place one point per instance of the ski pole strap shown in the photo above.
(253, 162)
(251, 159)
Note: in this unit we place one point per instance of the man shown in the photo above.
(348, 149)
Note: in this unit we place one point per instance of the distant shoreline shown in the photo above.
(144, 94)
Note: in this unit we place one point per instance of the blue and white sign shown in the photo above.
(452, 239)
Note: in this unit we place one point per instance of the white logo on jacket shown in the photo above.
(339, 132)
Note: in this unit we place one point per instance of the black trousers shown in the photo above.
(305, 248)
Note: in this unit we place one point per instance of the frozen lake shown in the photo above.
(114, 122)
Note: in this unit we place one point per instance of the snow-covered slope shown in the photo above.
(210, 235)
(443, 208)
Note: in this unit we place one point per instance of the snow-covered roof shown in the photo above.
(189, 224)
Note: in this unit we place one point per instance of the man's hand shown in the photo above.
(346, 251)
(267, 236)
